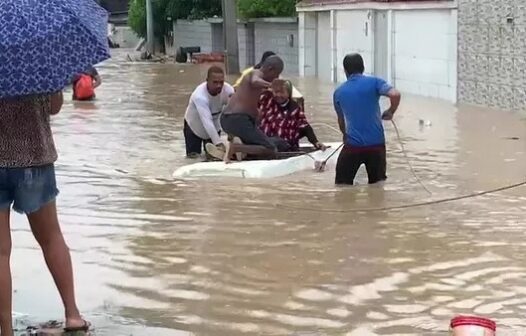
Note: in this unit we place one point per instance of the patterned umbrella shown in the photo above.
(43, 43)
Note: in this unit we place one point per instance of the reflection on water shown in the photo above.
(155, 256)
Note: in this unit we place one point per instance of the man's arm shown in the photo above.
(384, 89)
(257, 81)
(97, 81)
(56, 101)
(395, 97)
(207, 120)
(339, 112)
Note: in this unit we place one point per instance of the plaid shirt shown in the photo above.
(278, 121)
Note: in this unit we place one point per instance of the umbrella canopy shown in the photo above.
(43, 43)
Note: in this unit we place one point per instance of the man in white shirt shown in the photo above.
(201, 121)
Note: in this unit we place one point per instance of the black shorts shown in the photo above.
(350, 160)
(244, 127)
(194, 144)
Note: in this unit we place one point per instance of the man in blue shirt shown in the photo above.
(357, 104)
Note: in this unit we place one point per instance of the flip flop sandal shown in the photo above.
(84, 328)
(215, 151)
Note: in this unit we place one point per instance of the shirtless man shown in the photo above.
(240, 117)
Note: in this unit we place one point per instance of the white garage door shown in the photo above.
(425, 52)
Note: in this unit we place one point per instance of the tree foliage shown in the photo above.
(165, 11)
(266, 8)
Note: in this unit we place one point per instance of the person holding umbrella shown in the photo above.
(37, 61)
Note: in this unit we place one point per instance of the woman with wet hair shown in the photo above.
(283, 119)
(296, 95)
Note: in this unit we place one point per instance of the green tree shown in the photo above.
(163, 10)
(266, 8)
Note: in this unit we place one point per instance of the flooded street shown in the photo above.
(288, 256)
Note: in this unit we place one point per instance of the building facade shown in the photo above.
(492, 53)
(412, 44)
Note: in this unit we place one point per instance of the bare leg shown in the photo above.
(229, 151)
(46, 229)
(6, 286)
(260, 151)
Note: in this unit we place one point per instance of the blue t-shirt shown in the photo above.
(358, 101)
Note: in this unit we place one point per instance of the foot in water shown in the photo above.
(76, 325)
(215, 151)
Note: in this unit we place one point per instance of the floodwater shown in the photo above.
(289, 256)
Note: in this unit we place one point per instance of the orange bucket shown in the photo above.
(472, 326)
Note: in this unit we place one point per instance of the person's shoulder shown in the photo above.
(340, 88)
(371, 79)
(227, 88)
(200, 92)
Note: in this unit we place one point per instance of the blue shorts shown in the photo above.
(27, 189)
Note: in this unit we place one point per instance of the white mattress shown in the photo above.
(258, 169)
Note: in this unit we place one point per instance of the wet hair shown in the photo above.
(266, 55)
(214, 70)
(273, 62)
(353, 64)
(285, 84)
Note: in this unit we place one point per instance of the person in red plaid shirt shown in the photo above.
(283, 120)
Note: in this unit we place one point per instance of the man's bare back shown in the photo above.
(246, 98)
(239, 119)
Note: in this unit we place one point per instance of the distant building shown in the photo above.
(118, 10)
(412, 44)
(121, 33)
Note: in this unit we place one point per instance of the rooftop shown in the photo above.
(307, 3)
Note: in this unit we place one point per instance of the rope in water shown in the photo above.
(407, 206)
(399, 137)
(407, 158)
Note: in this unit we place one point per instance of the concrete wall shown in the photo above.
(492, 53)
(307, 44)
(425, 52)
(277, 34)
(353, 34)
(193, 33)
(280, 37)
(245, 35)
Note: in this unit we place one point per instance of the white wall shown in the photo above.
(307, 44)
(353, 35)
(323, 50)
(422, 47)
(193, 33)
(425, 52)
(275, 36)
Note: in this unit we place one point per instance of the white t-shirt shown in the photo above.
(203, 111)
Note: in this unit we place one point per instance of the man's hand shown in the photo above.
(388, 115)
(320, 146)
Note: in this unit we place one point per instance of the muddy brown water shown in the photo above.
(157, 256)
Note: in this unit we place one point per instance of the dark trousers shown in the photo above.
(350, 160)
(194, 144)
